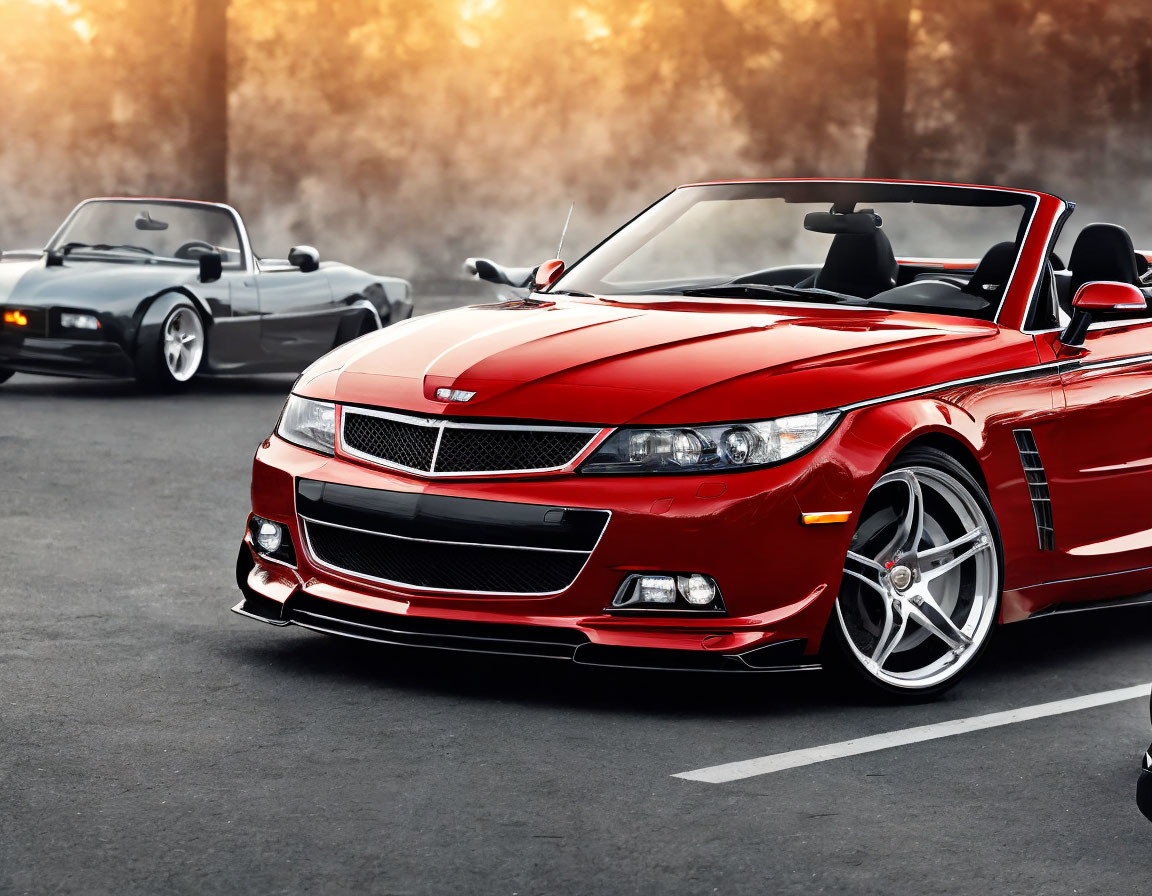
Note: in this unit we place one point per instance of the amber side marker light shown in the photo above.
(17, 318)
(825, 518)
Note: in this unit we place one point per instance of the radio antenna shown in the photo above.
(564, 232)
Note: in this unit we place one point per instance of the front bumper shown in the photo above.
(538, 642)
(63, 357)
(777, 577)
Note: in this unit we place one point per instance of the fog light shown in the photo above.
(268, 537)
(698, 590)
(686, 592)
(271, 540)
(657, 590)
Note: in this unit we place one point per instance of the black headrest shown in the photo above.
(858, 264)
(991, 275)
(1102, 252)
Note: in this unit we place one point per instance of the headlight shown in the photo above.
(72, 321)
(731, 446)
(309, 424)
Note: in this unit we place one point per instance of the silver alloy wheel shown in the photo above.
(183, 344)
(921, 581)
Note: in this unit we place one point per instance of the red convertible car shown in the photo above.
(765, 425)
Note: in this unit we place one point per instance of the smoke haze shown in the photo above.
(404, 135)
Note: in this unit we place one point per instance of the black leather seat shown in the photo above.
(858, 264)
(992, 273)
(1101, 252)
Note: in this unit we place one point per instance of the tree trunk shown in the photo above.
(887, 150)
(208, 103)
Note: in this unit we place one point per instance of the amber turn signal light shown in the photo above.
(825, 518)
(16, 318)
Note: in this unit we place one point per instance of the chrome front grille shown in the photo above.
(437, 447)
(389, 440)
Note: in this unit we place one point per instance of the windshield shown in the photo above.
(165, 231)
(944, 249)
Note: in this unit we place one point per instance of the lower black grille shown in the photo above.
(1037, 487)
(441, 566)
(445, 543)
(449, 447)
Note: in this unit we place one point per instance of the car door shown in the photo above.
(234, 345)
(298, 315)
(1097, 456)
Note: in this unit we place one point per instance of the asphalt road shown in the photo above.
(152, 742)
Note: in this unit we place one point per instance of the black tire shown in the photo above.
(155, 371)
(6, 374)
(367, 325)
(844, 657)
(355, 327)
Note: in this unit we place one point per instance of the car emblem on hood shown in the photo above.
(454, 395)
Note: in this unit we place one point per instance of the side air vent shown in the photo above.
(1037, 487)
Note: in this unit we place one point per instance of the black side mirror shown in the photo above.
(486, 269)
(304, 257)
(211, 267)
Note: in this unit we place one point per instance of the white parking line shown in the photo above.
(778, 762)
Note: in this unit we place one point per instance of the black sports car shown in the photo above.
(1144, 785)
(165, 289)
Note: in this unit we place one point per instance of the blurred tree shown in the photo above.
(208, 102)
(890, 45)
(409, 133)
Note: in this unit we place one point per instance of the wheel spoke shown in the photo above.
(876, 586)
(965, 539)
(930, 575)
(895, 622)
(923, 609)
(866, 562)
(912, 528)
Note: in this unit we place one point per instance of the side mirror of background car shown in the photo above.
(211, 267)
(304, 257)
(1096, 297)
(486, 269)
(547, 274)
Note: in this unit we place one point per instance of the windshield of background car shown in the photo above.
(170, 232)
(709, 236)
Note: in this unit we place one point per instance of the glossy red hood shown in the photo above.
(611, 362)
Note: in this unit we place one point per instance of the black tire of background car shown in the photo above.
(368, 325)
(355, 327)
(6, 374)
(838, 658)
(151, 371)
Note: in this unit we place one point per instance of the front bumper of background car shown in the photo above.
(44, 347)
(778, 578)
